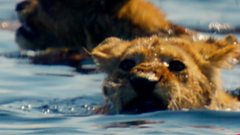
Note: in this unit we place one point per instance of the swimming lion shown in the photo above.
(165, 73)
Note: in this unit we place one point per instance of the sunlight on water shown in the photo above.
(38, 99)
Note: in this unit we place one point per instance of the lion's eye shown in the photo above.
(127, 64)
(176, 66)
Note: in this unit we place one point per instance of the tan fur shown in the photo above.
(197, 86)
(133, 11)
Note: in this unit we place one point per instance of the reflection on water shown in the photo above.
(132, 124)
(38, 99)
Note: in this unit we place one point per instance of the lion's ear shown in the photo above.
(108, 53)
(229, 39)
(227, 54)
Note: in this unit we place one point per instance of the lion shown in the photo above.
(165, 73)
(78, 24)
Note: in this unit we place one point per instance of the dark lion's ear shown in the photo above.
(107, 53)
(227, 54)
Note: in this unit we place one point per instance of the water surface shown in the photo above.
(38, 99)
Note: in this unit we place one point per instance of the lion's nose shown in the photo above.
(22, 5)
(142, 86)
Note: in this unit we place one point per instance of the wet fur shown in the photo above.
(196, 87)
(78, 24)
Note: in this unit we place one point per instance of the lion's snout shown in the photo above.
(142, 86)
(143, 80)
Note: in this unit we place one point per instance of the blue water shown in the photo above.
(37, 99)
